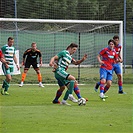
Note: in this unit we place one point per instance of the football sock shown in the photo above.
(39, 77)
(120, 85)
(58, 94)
(5, 85)
(23, 77)
(69, 91)
(77, 91)
(98, 83)
(106, 88)
(101, 87)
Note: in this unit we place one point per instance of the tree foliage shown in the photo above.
(69, 9)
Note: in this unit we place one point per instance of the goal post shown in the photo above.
(52, 36)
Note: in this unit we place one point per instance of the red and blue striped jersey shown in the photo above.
(118, 49)
(108, 57)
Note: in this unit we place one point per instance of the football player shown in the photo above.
(116, 66)
(8, 51)
(30, 58)
(106, 57)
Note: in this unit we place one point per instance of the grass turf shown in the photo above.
(30, 109)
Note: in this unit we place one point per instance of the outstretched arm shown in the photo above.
(77, 62)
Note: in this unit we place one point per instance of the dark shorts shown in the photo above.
(33, 64)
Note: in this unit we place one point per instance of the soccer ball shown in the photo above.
(81, 101)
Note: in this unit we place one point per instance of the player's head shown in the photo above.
(111, 44)
(116, 39)
(33, 46)
(72, 48)
(10, 41)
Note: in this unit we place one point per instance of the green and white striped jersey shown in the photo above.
(8, 53)
(64, 59)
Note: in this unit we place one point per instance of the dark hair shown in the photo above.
(72, 45)
(10, 38)
(111, 40)
(116, 37)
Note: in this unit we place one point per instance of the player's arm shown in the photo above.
(15, 60)
(4, 62)
(40, 61)
(77, 62)
(99, 59)
(24, 56)
(119, 56)
(40, 58)
(53, 61)
(118, 59)
(101, 53)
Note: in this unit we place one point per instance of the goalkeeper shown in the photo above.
(30, 58)
(64, 58)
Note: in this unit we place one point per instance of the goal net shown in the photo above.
(53, 36)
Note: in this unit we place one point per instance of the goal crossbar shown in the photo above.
(60, 21)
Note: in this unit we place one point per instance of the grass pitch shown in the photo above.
(30, 109)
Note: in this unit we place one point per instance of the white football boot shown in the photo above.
(65, 103)
(102, 96)
(21, 84)
(72, 98)
(40, 84)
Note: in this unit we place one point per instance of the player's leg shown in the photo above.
(108, 85)
(69, 91)
(59, 92)
(106, 88)
(118, 72)
(103, 76)
(70, 86)
(77, 92)
(23, 77)
(108, 80)
(68, 79)
(120, 84)
(5, 86)
(97, 86)
(39, 76)
(6, 82)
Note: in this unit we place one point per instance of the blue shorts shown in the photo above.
(117, 68)
(106, 74)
